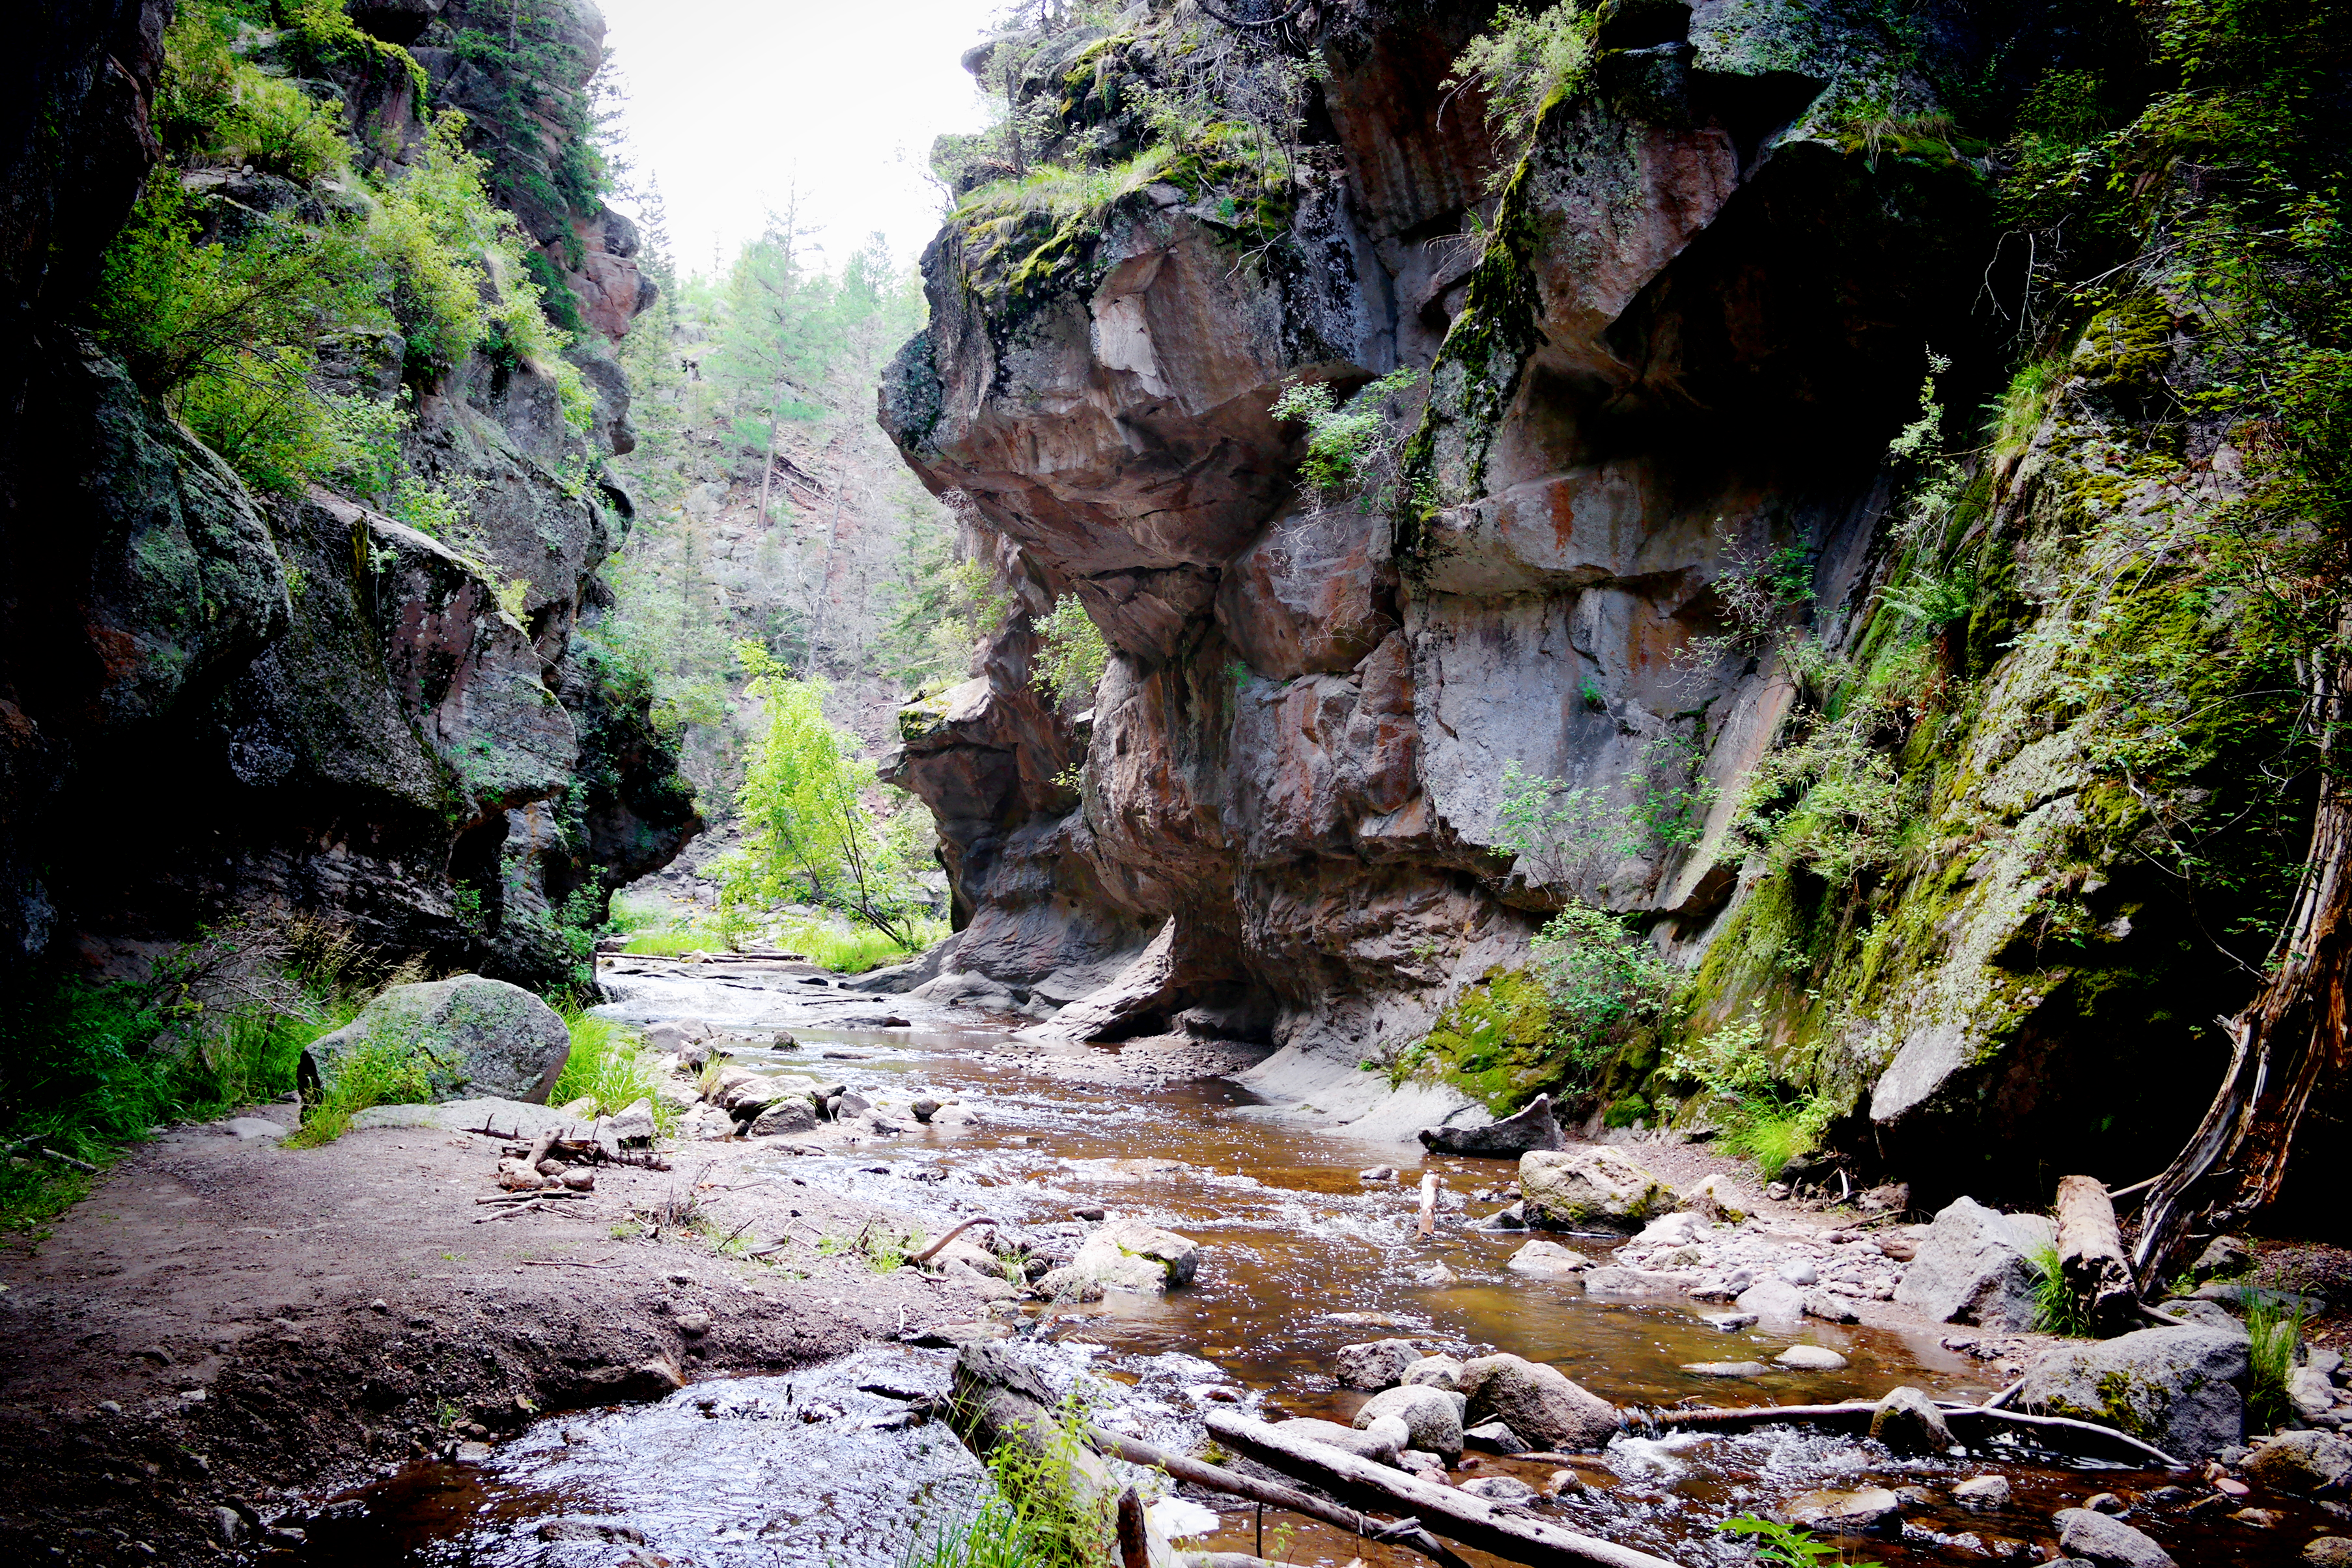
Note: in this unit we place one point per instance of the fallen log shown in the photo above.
(1970, 1423)
(2090, 1256)
(1272, 1494)
(1508, 1533)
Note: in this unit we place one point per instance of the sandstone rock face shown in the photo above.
(461, 1037)
(1691, 350)
(359, 724)
(2180, 1389)
(1975, 1266)
(1539, 1403)
(1591, 1188)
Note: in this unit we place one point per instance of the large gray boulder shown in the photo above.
(1532, 1127)
(1591, 1188)
(1376, 1364)
(1539, 1403)
(2180, 1389)
(444, 1039)
(2107, 1541)
(1432, 1417)
(1127, 1254)
(1975, 1266)
(2307, 1462)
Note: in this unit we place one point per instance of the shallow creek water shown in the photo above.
(1298, 1257)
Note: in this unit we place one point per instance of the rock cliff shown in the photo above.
(214, 701)
(1657, 541)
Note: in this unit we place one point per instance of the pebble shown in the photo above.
(1726, 1368)
(1499, 1488)
(378, 1305)
(1378, 1173)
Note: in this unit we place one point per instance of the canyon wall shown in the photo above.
(1675, 337)
(215, 701)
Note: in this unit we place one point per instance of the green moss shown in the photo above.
(2128, 343)
(1496, 1042)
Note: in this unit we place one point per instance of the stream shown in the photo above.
(1298, 1257)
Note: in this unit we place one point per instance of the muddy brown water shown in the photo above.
(1298, 1257)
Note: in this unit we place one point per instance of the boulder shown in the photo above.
(1716, 1199)
(1532, 1127)
(1909, 1422)
(1810, 1358)
(1492, 1438)
(1983, 1491)
(2103, 1540)
(634, 1124)
(1591, 1188)
(2204, 1315)
(1499, 1488)
(1378, 1364)
(1432, 1416)
(1127, 1254)
(2306, 1462)
(2329, 1551)
(444, 1039)
(791, 1114)
(2223, 1257)
(1548, 1259)
(743, 1093)
(1378, 1442)
(1677, 1230)
(1829, 1308)
(1775, 1300)
(1539, 1403)
(1615, 1279)
(1872, 1511)
(1442, 1372)
(2180, 1389)
(1975, 1266)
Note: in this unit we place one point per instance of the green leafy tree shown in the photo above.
(806, 829)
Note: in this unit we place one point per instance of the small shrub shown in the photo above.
(2056, 1308)
(1787, 1546)
(1626, 1111)
(2274, 1334)
(1524, 64)
(1344, 449)
(1764, 1118)
(607, 1065)
(387, 1072)
(1605, 982)
(1071, 653)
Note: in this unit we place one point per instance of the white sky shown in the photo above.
(732, 101)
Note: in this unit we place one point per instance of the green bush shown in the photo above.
(386, 1072)
(1071, 653)
(1344, 450)
(607, 1065)
(1763, 1117)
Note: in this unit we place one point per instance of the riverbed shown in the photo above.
(1299, 1256)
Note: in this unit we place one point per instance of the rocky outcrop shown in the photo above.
(1978, 1265)
(1668, 345)
(443, 1040)
(2181, 1389)
(213, 702)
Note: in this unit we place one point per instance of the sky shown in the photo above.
(732, 102)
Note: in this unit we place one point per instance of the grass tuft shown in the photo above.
(2276, 1333)
(609, 1065)
(2056, 1308)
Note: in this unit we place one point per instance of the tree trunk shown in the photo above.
(2090, 1256)
(2290, 1038)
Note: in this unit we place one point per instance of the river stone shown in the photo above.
(2329, 1551)
(791, 1114)
(1442, 1372)
(1872, 1511)
(1548, 1259)
(1128, 1255)
(1499, 1488)
(2204, 1315)
(1593, 1187)
(1983, 1491)
(1539, 1403)
(1380, 1442)
(2180, 1389)
(1975, 1266)
(1773, 1298)
(1492, 1438)
(1909, 1422)
(1533, 1127)
(2082, 1533)
(465, 1036)
(1812, 1357)
(1716, 1200)
(634, 1124)
(1675, 1229)
(1432, 1416)
(2301, 1462)
(1616, 1279)
(2223, 1257)
(1726, 1368)
(1378, 1364)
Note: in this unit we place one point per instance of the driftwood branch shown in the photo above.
(2090, 1256)
(1273, 1494)
(1970, 1423)
(925, 1255)
(1508, 1533)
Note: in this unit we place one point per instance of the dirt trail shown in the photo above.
(222, 1320)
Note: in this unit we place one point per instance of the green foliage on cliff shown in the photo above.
(1522, 65)
(1351, 447)
(223, 290)
(1071, 653)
